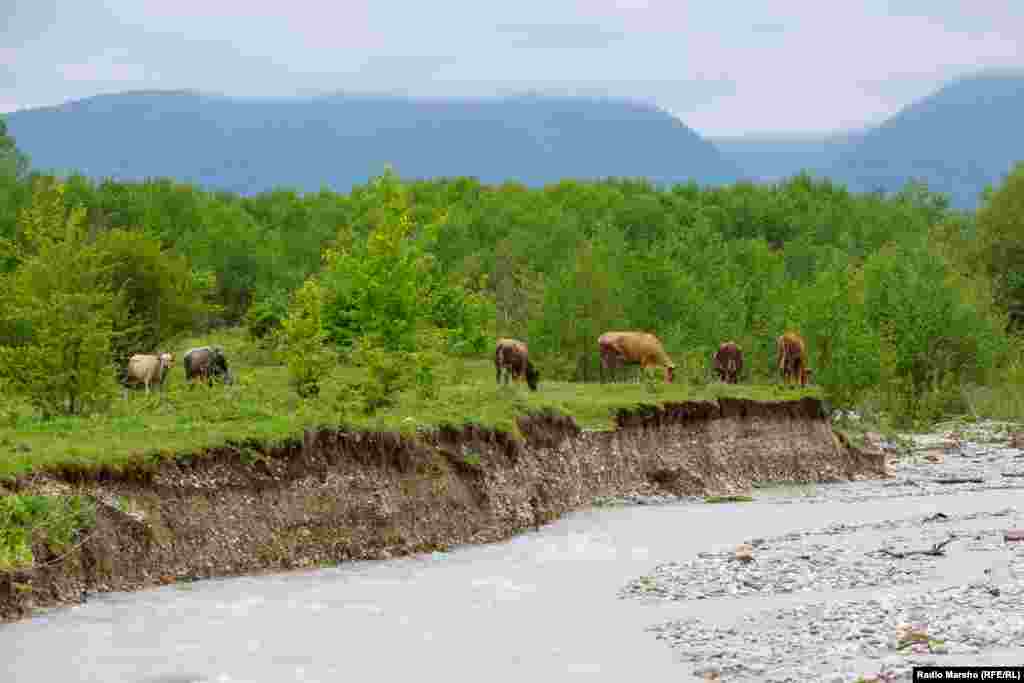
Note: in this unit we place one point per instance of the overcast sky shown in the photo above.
(725, 68)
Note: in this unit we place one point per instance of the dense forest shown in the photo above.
(907, 305)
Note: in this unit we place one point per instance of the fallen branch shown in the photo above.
(961, 480)
(936, 550)
(937, 517)
(1013, 474)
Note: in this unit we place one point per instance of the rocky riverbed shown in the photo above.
(925, 588)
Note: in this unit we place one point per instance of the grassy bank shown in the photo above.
(261, 405)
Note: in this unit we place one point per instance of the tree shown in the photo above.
(12, 161)
(1001, 232)
(60, 299)
(162, 296)
(303, 337)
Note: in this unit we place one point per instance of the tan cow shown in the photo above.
(512, 356)
(620, 348)
(148, 369)
(793, 358)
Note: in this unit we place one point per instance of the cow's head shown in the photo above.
(532, 376)
(219, 364)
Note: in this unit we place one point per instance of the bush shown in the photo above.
(54, 521)
(303, 340)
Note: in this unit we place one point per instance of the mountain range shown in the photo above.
(249, 145)
(958, 140)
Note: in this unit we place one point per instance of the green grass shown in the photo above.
(261, 405)
(728, 499)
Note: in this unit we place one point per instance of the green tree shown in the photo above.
(1001, 234)
(60, 297)
(13, 161)
(303, 338)
(162, 296)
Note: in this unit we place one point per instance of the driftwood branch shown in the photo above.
(937, 550)
(960, 480)
(1013, 474)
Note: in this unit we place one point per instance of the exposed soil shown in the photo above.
(336, 495)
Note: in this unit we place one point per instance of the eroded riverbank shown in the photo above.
(341, 496)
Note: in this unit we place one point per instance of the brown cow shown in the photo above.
(512, 356)
(148, 369)
(729, 362)
(620, 348)
(793, 358)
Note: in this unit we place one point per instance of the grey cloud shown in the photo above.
(768, 27)
(554, 36)
(779, 68)
(25, 20)
(405, 66)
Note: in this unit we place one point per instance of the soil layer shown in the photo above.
(337, 495)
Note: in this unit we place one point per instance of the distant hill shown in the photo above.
(249, 144)
(769, 157)
(957, 140)
(966, 135)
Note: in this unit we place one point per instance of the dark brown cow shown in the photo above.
(205, 363)
(793, 358)
(619, 348)
(729, 362)
(512, 356)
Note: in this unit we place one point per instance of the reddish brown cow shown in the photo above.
(512, 356)
(729, 362)
(620, 348)
(793, 358)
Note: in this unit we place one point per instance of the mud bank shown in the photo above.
(338, 495)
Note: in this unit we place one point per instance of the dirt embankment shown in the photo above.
(336, 495)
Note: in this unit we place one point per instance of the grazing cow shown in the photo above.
(729, 362)
(513, 357)
(148, 369)
(205, 363)
(620, 348)
(793, 358)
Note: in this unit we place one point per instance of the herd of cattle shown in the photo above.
(201, 364)
(618, 349)
(511, 357)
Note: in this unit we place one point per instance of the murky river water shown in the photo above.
(540, 607)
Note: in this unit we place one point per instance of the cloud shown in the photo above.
(768, 27)
(405, 66)
(110, 68)
(789, 66)
(560, 36)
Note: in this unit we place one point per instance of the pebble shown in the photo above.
(895, 630)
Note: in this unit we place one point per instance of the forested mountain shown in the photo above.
(960, 139)
(249, 145)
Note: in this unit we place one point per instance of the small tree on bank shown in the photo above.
(59, 309)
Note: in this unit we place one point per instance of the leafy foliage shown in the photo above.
(49, 522)
(62, 308)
